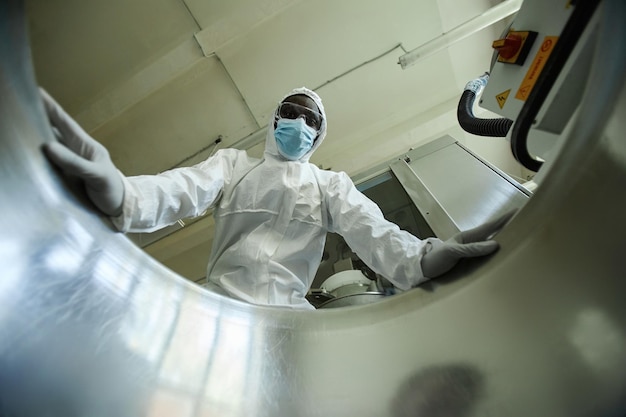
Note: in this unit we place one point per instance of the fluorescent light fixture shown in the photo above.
(488, 18)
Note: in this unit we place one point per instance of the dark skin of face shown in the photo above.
(302, 100)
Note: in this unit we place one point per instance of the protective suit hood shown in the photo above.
(271, 150)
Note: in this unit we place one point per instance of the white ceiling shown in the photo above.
(158, 81)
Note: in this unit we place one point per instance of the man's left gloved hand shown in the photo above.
(441, 256)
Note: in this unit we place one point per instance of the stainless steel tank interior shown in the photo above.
(91, 326)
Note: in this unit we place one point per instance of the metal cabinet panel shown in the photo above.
(454, 189)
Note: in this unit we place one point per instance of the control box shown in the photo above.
(533, 34)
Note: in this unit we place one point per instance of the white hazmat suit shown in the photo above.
(271, 215)
(271, 219)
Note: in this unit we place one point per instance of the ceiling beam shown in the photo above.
(142, 83)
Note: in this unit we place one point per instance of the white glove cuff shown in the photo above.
(122, 222)
(429, 244)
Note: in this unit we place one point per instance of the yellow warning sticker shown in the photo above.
(501, 98)
(536, 67)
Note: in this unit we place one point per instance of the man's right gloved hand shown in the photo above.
(80, 155)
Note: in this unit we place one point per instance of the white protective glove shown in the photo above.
(82, 156)
(441, 256)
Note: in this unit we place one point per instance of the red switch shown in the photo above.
(509, 46)
(513, 49)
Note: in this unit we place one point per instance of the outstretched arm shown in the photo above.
(396, 254)
(141, 203)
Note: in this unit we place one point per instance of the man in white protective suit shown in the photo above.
(271, 215)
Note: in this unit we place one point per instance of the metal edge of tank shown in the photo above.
(89, 325)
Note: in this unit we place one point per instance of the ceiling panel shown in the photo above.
(177, 121)
(141, 84)
(454, 13)
(313, 42)
(82, 47)
(222, 21)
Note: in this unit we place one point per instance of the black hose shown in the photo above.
(583, 11)
(477, 126)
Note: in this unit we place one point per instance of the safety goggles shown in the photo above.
(287, 110)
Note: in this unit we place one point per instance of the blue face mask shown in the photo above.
(294, 138)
